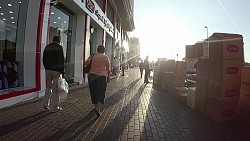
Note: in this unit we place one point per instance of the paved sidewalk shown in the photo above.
(133, 111)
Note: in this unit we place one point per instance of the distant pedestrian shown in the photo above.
(123, 65)
(99, 76)
(116, 65)
(53, 61)
(141, 67)
(147, 70)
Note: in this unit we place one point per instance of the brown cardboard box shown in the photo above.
(167, 66)
(243, 114)
(225, 46)
(205, 51)
(225, 70)
(182, 97)
(198, 49)
(227, 91)
(245, 81)
(178, 80)
(202, 68)
(180, 68)
(190, 64)
(189, 51)
(191, 97)
(202, 87)
(200, 103)
(221, 112)
(177, 90)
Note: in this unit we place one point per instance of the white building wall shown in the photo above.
(79, 48)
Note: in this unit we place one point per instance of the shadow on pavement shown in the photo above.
(116, 122)
(75, 129)
(8, 128)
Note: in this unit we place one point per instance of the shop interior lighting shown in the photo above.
(9, 4)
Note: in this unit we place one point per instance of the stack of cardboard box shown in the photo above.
(174, 81)
(218, 82)
(244, 101)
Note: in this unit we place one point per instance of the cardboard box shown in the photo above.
(202, 68)
(243, 114)
(177, 90)
(178, 80)
(189, 51)
(191, 97)
(182, 97)
(167, 66)
(198, 49)
(227, 91)
(221, 112)
(205, 51)
(245, 81)
(226, 46)
(202, 87)
(180, 68)
(225, 70)
(200, 103)
(190, 64)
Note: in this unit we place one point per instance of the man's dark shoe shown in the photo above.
(97, 112)
(46, 107)
(56, 110)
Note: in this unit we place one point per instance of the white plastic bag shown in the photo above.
(63, 88)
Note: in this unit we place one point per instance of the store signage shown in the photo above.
(231, 93)
(232, 48)
(91, 7)
(232, 70)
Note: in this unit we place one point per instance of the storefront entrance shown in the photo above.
(61, 24)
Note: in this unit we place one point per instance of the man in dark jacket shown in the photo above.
(53, 61)
(147, 70)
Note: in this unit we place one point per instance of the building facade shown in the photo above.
(134, 52)
(27, 26)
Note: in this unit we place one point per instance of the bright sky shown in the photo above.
(165, 27)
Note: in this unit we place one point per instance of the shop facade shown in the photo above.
(27, 26)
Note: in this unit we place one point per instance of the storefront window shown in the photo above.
(11, 43)
(61, 24)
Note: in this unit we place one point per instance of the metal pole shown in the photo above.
(207, 36)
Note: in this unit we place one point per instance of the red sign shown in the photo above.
(232, 70)
(90, 5)
(231, 93)
(232, 48)
(228, 112)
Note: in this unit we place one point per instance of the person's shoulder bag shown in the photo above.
(88, 66)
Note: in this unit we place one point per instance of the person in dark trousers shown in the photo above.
(99, 76)
(141, 67)
(147, 70)
(123, 65)
(53, 61)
